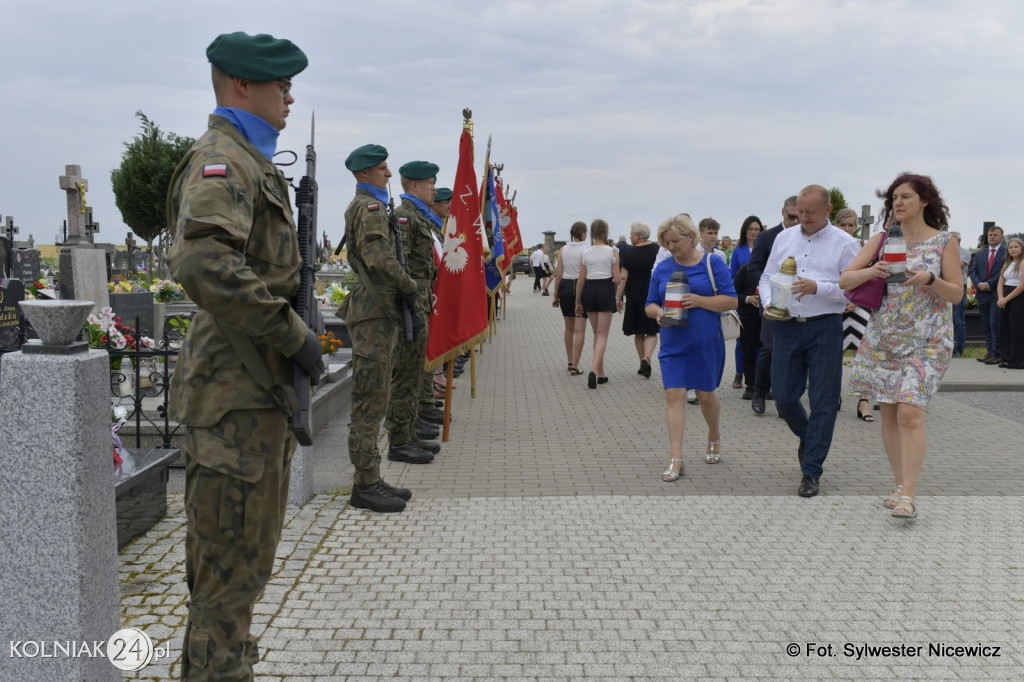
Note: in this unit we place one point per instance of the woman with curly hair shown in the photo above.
(909, 341)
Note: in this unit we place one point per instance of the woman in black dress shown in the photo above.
(635, 278)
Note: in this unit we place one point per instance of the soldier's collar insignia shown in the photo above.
(214, 170)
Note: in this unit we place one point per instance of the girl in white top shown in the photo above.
(566, 273)
(595, 294)
(1011, 306)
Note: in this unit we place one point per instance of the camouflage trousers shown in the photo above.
(236, 491)
(426, 396)
(406, 378)
(373, 345)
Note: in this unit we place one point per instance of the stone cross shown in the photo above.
(865, 221)
(91, 226)
(129, 241)
(76, 186)
(12, 229)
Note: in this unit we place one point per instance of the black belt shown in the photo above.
(812, 317)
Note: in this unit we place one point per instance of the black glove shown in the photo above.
(408, 300)
(310, 357)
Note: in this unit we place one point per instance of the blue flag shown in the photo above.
(492, 273)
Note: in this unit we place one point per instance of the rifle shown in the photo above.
(400, 255)
(305, 299)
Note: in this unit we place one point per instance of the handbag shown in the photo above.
(731, 325)
(869, 294)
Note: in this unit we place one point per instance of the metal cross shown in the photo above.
(91, 226)
(12, 229)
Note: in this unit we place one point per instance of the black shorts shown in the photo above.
(567, 297)
(599, 296)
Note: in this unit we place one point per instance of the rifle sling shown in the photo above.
(364, 278)
(285, 396)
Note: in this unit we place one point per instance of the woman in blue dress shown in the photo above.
(740, 256)
(692, 356)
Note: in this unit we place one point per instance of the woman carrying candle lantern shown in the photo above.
(692, 355)
(909, 341)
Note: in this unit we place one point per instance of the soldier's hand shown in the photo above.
(408, 300)
(310, 357)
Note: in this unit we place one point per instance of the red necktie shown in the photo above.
(991, 257)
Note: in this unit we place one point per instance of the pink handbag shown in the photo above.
(869, 294)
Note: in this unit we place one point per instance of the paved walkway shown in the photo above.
(541, 544)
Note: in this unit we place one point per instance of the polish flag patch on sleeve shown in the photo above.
(215, 170)
(373, 207)
(403, 220)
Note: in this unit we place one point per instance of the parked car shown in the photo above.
(521, 263)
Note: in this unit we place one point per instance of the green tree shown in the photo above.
(838, 202)
(140, 183)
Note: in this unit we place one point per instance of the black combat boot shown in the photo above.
(428, 445)
(431, 416)
(409, 453)
(403, 493)
(375, 497)
(425, 431)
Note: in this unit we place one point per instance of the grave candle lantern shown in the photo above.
(782, 290)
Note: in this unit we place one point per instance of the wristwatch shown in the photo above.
(931, 279)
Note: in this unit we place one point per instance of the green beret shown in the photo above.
(258, 58)
(367, 156)
(442, 194)
(418, 170)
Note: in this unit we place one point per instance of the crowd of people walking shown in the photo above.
(902, 346)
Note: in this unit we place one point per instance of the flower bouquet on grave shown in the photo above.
(329, 343)
(108, 331)
(33, 289)
(336, 293)
(118, 418)
(165, 291)
(122, 285)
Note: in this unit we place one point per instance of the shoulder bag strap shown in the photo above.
(711, 276)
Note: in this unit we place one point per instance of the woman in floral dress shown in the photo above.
(909, 341)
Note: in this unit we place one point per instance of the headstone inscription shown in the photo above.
(25, 265)
(12, 292)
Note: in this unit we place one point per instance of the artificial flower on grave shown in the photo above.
(121, 285)
(165, 291)
(329, 343)
(336, 293)
(118, 418)
(107, 331)
(33, 289)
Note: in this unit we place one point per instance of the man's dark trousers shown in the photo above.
(763, 373)
(811, 352)
(989, 313)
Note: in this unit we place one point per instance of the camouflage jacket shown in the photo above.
(236, 253)
(417, 242)
(371, 247)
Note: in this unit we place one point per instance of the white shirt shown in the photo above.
(1011, 278)
(822, 257)
(571, 255)
(536, 258)
(598, 260)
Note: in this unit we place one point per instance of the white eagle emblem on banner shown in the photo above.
(455, 256)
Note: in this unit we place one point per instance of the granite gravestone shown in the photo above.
(12, 292)
(83, 269)
(25, 265)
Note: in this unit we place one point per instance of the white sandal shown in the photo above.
(715, 454)
(905, 508)
(894, 497)
(669, 476)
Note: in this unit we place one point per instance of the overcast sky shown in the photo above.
(623, 110)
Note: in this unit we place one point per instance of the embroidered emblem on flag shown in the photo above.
(215, 170)
(373, 207)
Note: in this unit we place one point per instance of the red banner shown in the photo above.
(509, 227)
(459, 315)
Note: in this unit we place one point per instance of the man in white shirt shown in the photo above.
(808, 349)
(537, 262)
(709, 228)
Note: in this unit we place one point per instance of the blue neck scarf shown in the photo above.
(379, 193)
(424, 210)
(261, 134)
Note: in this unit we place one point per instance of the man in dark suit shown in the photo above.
(755, 266)
(984, 273)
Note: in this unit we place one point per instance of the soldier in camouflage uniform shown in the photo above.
(428, 410)
(236, 254)
(416, 221)
(372, 311)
